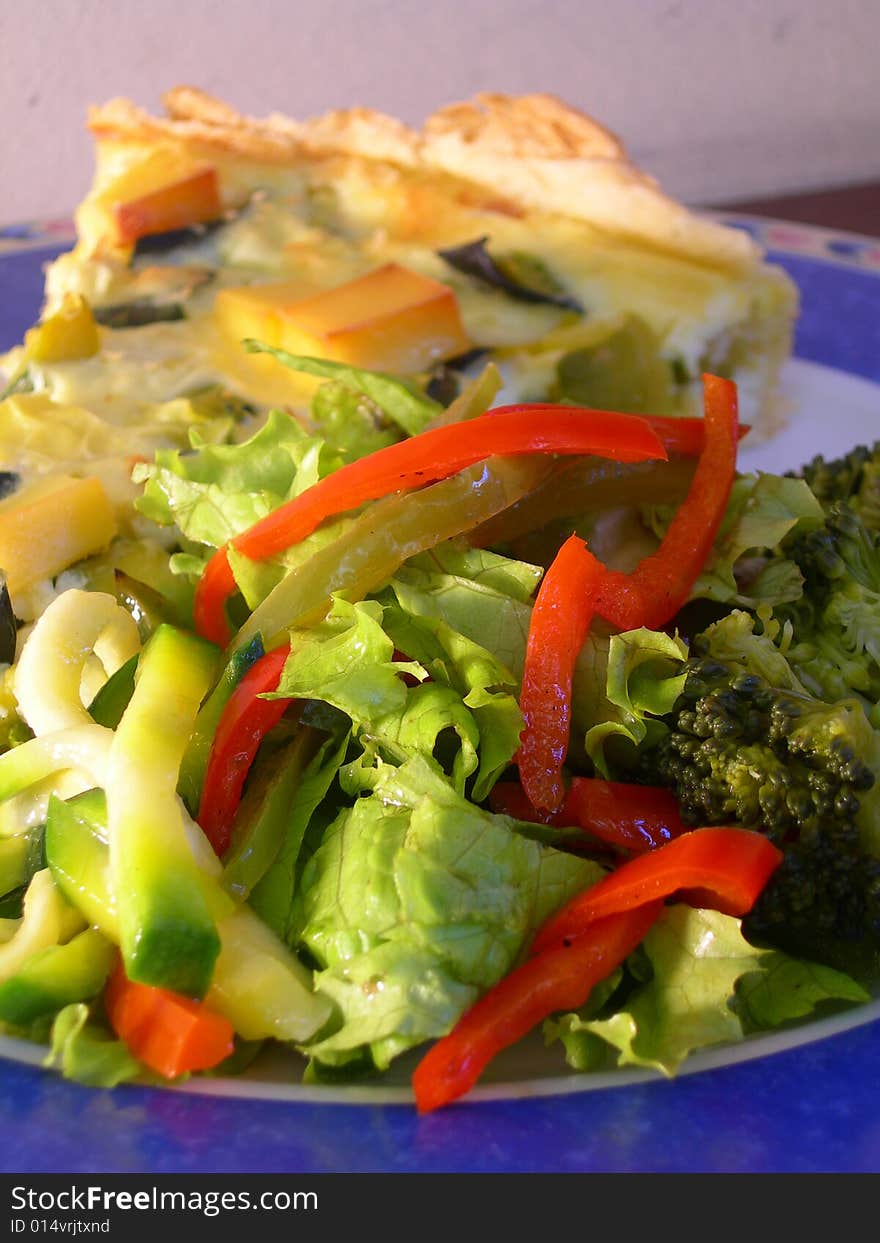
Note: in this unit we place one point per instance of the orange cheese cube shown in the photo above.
(391, 319)
(49, 526)
(254, 310)
(192, 199)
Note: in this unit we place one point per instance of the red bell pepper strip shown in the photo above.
(170, 1034)
(587, 939)
(631, 818)
(561, 618)
(661, 584)
(721, 869)
(576, 586)
(508, 798)
(244, 723)
(413, 463)
(560, 979)
(685, 437)
(213, 589)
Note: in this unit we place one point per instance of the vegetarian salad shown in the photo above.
(422, 727)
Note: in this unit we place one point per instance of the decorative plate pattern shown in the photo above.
(32, 235)
(801, 239)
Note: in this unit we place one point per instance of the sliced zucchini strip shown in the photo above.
(75, 626)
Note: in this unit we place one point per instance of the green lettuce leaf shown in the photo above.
(350, 422)
(347, 661)
(585, 1050)
(789, 988)
(622, 685)
(419, 998)
(410, 410)
(763, 510)
(217, 491)
(474, 678)
(417, 900)
(85, 1052)
(462, 713)
(708, 986)
(697, 957)
(785, 989)
(467, 623)
(456, 559)
(272, 896)
(481, 609)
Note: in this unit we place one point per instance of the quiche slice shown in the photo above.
(510, 231)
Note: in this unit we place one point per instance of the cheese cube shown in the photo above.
(392, 319)
(166, 190)
(49, 526)
(193, 199)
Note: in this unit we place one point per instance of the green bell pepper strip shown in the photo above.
(379, 540)
(410, 464)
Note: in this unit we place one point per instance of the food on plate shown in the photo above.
(509, 230)
(395, 660)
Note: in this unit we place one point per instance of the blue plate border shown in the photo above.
(814, 1108)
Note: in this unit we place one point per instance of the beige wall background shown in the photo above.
(720, 99)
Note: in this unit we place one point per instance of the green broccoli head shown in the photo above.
(748, 744)
(853, 479)
(825, 892)
(743, 751)
(841, 551)
(837, 619)
(776, 728)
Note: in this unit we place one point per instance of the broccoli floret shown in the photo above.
(777, 725)
(827, 883)
(747, 745)
(853, 479)
(742, 751)
(836, 622)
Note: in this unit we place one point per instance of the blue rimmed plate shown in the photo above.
(805, 1099)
